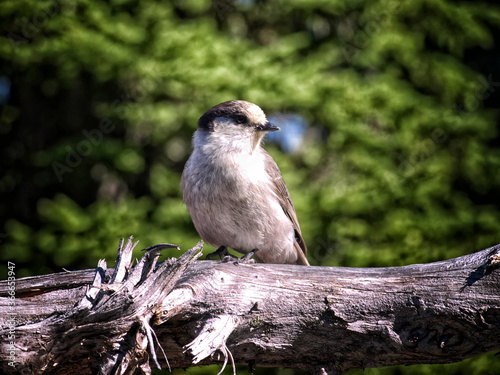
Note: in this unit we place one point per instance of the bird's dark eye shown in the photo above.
(241, 119)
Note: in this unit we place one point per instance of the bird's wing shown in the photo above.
(286, 203)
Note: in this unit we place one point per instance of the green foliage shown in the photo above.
(398, 164)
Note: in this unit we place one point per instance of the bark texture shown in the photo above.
(324, 319)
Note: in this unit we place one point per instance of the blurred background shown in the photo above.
(389, 116)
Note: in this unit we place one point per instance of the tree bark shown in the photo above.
(323, 319)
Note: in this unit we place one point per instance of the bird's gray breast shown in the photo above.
(228, 199)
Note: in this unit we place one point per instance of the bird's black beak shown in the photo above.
(267, 127)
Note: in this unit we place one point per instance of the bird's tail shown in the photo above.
(302, 259)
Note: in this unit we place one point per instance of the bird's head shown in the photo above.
(236, 124)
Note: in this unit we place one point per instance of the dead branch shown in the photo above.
(184, 312)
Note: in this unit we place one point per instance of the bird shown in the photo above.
(234, 191)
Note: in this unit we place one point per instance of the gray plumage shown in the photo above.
(234, 190)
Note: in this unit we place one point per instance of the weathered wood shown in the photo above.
(324, 319)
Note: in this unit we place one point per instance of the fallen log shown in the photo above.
(184, 312)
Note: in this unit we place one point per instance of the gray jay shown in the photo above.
(234, 190)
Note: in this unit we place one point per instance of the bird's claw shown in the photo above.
(245, 259)
(225, 257)
(221, 252)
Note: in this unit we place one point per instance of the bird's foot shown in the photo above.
(221, 252)
(224, 255)
(245, 259)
